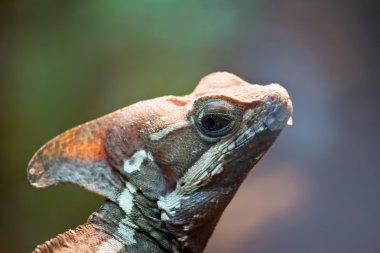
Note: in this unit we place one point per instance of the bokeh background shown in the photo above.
(318, 189)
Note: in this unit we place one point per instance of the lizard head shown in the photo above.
(229, 126)
(175, 161)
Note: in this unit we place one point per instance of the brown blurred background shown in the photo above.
(318, 189)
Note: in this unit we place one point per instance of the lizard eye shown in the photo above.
(215, 125)
(216, 118)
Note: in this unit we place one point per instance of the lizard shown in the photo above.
(167, 167)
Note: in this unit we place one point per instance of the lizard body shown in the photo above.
(168, 166)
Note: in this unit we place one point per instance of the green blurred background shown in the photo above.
(63, 63)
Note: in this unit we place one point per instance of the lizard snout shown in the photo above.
(279, 107)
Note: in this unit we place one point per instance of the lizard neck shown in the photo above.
(139, 232)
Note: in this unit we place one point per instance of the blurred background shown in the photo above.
(63, 63)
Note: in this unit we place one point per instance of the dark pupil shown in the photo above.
(213, 123)
(209, 123)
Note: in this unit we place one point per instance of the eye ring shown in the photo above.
(216, 118)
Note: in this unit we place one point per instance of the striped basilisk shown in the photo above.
(167, 167)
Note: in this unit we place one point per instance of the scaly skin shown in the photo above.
(167, 166)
